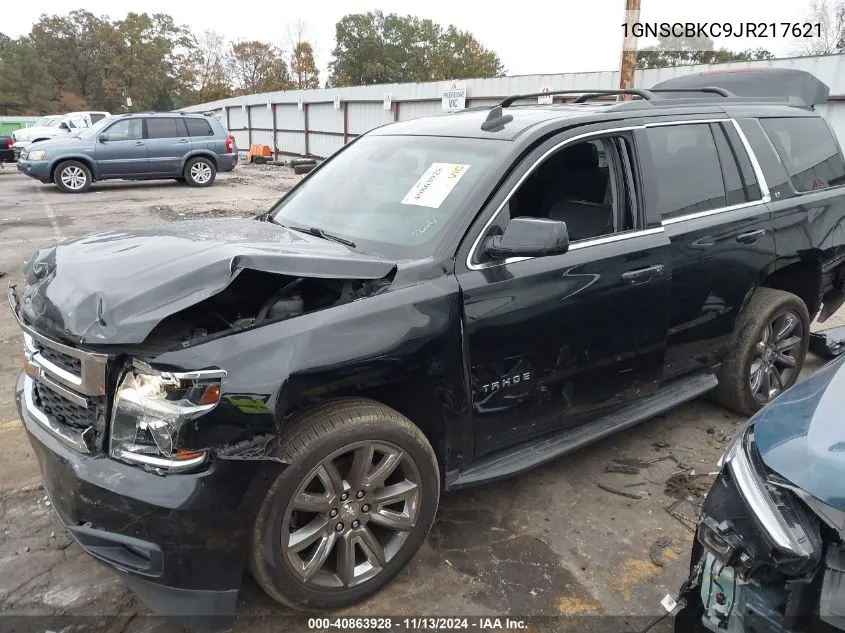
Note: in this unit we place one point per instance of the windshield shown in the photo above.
(94, 130)
(394, 195)
(43, 122)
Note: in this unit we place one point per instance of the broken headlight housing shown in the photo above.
(747, 515)
(151, 407)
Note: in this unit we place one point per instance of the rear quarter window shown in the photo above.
(199, 127)
(808, 150)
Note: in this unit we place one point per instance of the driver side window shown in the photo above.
(126, 130)
(580, 184)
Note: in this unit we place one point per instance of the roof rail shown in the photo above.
(585, 95)
(714, 89)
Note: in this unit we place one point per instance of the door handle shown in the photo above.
(183, 140)
(645, 274)
(139, 142)
(751, 236)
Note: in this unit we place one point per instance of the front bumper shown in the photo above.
(178, 541)
(38, 169)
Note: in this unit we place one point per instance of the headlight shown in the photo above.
(150, 408)
(37, 154)
(784, 523)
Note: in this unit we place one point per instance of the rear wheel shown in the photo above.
(768, 353)
(200, 172)
(352, 509)
(72, 176)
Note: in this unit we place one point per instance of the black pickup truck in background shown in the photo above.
(444, 302)
(7, 154)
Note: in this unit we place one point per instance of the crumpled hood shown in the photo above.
(116, 286)
(801, 435)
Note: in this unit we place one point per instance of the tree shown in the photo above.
(373, 48)
(681, 51)
(831, 18)
(258, 67)
(303, 69)
(204, 69)
(70, 47)
(24, 80)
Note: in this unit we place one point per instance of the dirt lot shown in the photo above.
(549, 543)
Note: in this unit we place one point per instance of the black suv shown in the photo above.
(445, 302)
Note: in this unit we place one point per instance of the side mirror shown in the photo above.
(103, 138)
(529, 237)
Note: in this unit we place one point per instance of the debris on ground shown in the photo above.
(684, 485)
(660, 444)
(622, 493)
(636, 463)
(657, 552)
(681, 510)
(623, 469)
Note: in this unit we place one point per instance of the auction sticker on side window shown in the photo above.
(435, 184)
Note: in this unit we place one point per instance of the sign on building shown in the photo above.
(454, 96)
(388, 103)
(337, 102)
(299, 103)
(546, 98)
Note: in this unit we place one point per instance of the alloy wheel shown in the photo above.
(201, 172)
(351, 515)
(773, 363)
(73, 177)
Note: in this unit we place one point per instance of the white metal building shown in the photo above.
(319, 122)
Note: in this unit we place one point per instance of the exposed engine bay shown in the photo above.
(256, 298)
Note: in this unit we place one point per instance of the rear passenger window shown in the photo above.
(687, 167)
(199, 127)
(96, 116)
(808, 151)
(161, 128)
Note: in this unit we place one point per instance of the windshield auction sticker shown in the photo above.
(435, 185)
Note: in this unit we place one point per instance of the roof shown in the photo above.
(467, 123)
(165, 114)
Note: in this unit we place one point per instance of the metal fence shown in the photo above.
(319, 122)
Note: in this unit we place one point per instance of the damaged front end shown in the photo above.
(769, 557)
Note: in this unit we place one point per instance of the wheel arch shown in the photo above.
(86, 160)
(803, 279)
(197, 154)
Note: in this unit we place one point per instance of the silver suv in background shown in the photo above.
(54, 126)
(191, 148)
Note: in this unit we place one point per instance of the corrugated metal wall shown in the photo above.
(319, 129)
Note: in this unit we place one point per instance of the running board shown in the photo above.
(526, 456)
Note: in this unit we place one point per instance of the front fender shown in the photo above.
(82, 158)
(393, 343)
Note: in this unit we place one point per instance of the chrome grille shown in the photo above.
(66, 362)
(62, 410)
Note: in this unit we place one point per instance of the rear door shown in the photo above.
(167, 144)
(124, 150)
(202, 135)
(708, 193)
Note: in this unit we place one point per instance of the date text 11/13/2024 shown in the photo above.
(419, 624)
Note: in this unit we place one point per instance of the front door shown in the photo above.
(555, 341)
(123, 150)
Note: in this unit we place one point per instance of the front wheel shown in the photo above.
(351, 510)
(72, 176)
(768, 353)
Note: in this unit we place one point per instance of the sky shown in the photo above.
(530, 36)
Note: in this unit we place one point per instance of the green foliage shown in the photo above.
(24, 81)
(675, 51)
(374, 48)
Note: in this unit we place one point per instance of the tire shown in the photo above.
(72, 176)
(200, 172)
(336, 434)
(303, 169)
(765, 326)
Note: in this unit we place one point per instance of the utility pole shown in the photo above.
(629, 48)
